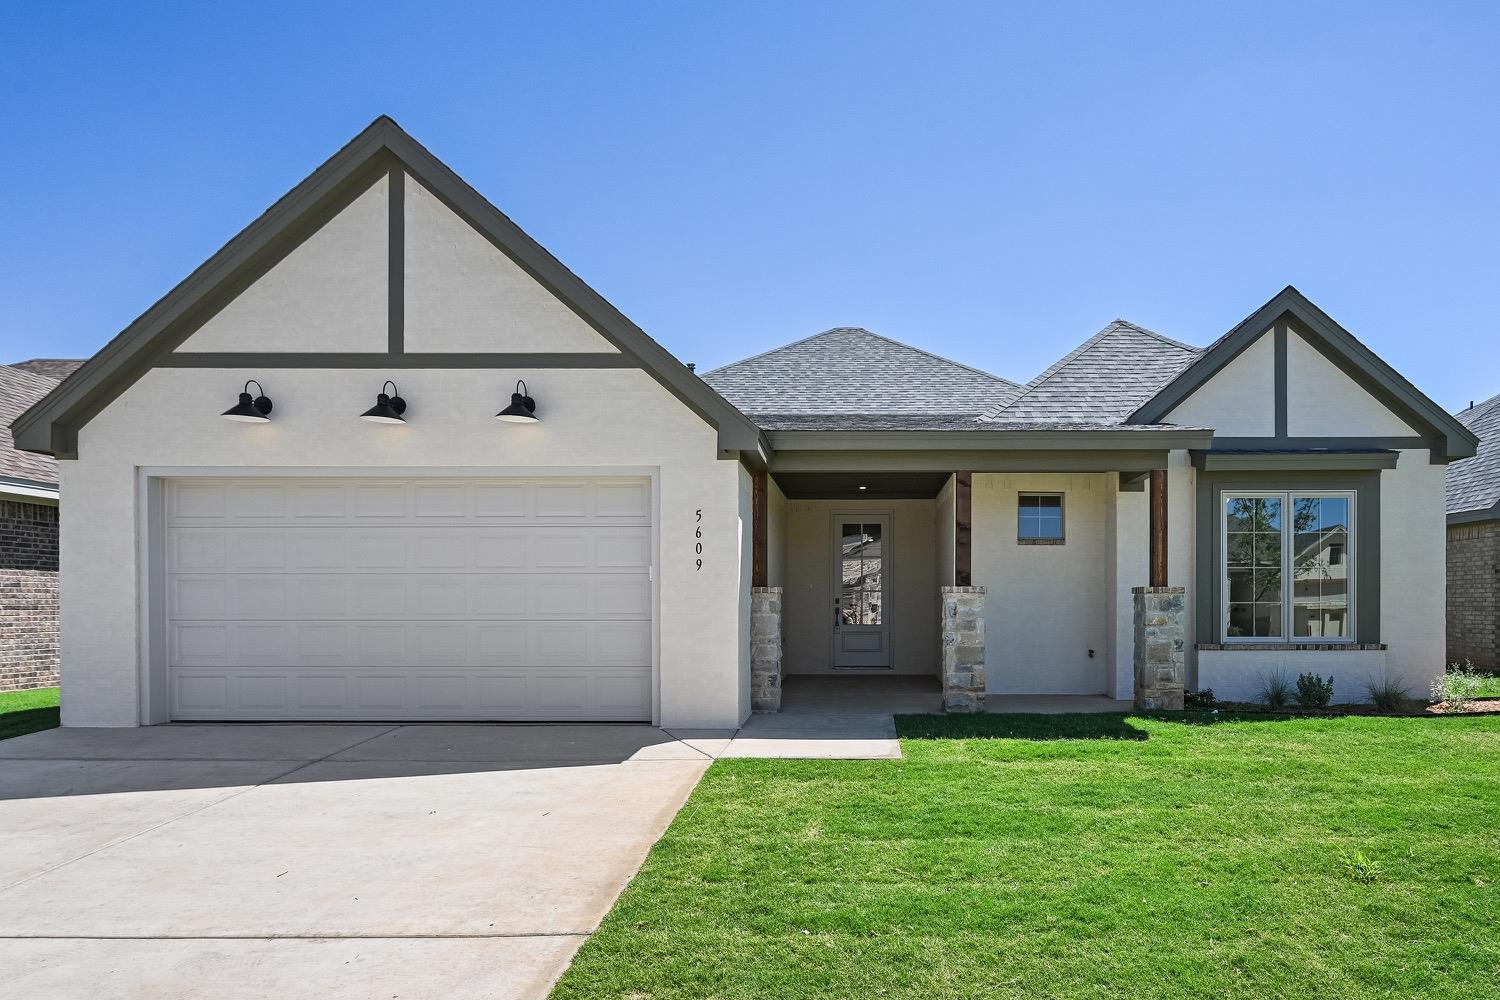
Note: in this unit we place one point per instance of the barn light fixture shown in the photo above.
(387, 408)
(250, 409)
(522, 408)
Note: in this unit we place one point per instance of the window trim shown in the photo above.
(1289, 583)
(1062, 517)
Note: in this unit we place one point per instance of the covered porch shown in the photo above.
(884, 583)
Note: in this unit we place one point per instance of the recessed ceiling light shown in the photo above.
(864, 487)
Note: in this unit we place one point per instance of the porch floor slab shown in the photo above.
(863, 694)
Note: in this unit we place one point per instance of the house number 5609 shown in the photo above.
(698, 537)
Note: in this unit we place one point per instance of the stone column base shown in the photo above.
(963, 649)
(1160, 643)
(765, 649)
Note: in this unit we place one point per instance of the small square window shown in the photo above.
(1039, 518)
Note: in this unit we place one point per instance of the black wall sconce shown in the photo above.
(522, 408)
(387, 408)
(250, 409)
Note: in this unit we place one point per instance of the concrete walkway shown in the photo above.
(341, 861)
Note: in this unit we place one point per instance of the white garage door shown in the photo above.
(409, 598)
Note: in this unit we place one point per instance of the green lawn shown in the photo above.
(1079, 856)
(23, 712)
(1490, 686)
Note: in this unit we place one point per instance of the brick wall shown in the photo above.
(28, 595)
(1474, 594)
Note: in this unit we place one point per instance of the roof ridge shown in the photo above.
(1056, 367)
(1480, 408)
(794, 343)
(919, 350)
(869, 333)
(1159, 336)
(1112, 327)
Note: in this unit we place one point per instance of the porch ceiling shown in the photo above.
(846, 485)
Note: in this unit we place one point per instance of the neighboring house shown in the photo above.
(663, 547)
(28, 535)
(1474, 544)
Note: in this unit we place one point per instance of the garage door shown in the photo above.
(409, 598)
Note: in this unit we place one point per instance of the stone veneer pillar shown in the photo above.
(963, 649)
(1160, 640)
(765, 649)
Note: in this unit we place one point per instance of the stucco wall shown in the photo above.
(1412, 599)
(591, 419)
(329, 294)
(1046, 605)
(1413, 568)
(1239, 675)
(462, 294)
(807, 614)
(1321, 401)
(1240, 401)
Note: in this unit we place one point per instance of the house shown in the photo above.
(362, 538)
(1474, 543)
(28, 534)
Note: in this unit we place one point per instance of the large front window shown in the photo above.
(1287, 566)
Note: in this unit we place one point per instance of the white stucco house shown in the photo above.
(641, 542)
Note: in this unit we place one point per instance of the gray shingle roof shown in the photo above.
(1474, 483)
(19, 389)
(54, 368)
(1103, 381)
(849, 370)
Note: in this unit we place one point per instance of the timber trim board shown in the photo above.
(1124, 439)
(1215, 461)
(382, 149)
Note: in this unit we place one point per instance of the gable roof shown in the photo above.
(1474, 483)
(849, 370)
(51, 426)
(1102, 381)
(21, 387)
(1449, 438)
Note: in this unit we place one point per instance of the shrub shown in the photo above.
(1276, 690)
(1202, 698)
(1313, 691)
(1387, 693)
(1457, 687)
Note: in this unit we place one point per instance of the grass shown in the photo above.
(23, 712)
(1489, 687)
(1079, 856)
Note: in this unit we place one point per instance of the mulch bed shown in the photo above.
(1488, 706)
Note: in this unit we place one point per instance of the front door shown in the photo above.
(861, 588)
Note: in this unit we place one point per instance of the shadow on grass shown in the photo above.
(31, 720)
(1064, 726)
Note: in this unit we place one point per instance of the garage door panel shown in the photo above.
(393, 694)
(425, 599)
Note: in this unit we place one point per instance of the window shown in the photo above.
(1271, 538)
(1039, 518)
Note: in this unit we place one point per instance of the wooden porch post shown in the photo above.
(963, 520)
(1158, 528)
(759, 548)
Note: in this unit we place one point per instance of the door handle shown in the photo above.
(836, 616)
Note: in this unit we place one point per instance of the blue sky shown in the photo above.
(993, 182)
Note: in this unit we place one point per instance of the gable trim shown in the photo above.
(51, 426)
(1290, 310)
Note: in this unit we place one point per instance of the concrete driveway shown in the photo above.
(326, 861)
